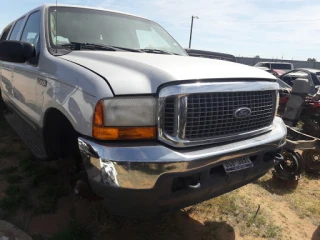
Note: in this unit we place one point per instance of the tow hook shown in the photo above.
(194, 186)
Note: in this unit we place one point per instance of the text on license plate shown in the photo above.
(237, 164)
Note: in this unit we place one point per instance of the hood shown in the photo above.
(143, 73)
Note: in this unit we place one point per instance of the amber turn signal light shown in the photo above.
(124, 133)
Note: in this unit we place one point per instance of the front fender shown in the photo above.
(76, 105)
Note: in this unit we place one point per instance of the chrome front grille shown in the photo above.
(197, 114)
(211, 115)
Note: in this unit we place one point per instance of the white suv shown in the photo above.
(156, 129)
(283, 66)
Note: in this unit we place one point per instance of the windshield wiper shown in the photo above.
(159, 51)
(93, 46)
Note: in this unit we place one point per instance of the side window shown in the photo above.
(5, 32)
(16, 29)
(31, 30)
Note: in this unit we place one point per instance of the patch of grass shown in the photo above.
(8, 170)
(12, 203)
(304, 199)
(27, 165)
(306, 207)
(39, 237)
(16, 197)
(49, 195)
(272, 231)
(237, 211)
(74, 231)
(5, 152)
(44, 174)
(13, 190)
(13, 179)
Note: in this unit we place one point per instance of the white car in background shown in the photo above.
(278, 67)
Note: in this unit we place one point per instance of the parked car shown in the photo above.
(279, 67)
(157, 130)
(284, 90)
(273, 72)
(313, 75)
(209, 54)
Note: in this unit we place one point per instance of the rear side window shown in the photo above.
(31, 30)
(16, 29)
(280, 66)
(5, 32)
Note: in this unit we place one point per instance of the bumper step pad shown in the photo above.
(27, 134)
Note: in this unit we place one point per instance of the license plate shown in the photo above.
(237, 164)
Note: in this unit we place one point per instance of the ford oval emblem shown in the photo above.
(242, 112)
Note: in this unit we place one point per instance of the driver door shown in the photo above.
(25, 75)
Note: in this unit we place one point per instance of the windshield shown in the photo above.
(114, 29)
(282, 84)
(318, 75)
(280, 66)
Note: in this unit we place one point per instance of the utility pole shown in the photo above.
(196, 17)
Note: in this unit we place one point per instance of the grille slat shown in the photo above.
(169, 113)
(211, 115)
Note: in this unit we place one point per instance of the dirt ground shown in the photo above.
(35, 197)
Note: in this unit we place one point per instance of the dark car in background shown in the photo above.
(285, 89)
(209, 54)
(313, 75)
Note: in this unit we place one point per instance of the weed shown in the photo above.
(74, 231)
(13, 190)
(5, 152)
(27, 165)
(237, 211)
(39, 237)
(16, 197)
(272, 231)
(8, 170)
(13, 179)
(49, 195)
(10, 203)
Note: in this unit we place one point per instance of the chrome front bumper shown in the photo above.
(139, 165)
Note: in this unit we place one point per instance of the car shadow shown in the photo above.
(275, 187)
(313, 176)
(177, 225)
(193, 229)
(316, 234)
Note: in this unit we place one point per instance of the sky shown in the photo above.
(288, 29)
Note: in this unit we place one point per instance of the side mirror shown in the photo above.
(16, 51)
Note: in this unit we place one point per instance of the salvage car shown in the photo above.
(273, 72)
(156, 129)
(284, 90)
(313, 75)
(279, 67)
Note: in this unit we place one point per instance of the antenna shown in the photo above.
(56, 26)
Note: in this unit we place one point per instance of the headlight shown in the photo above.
(125, 118)
(124, 112)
